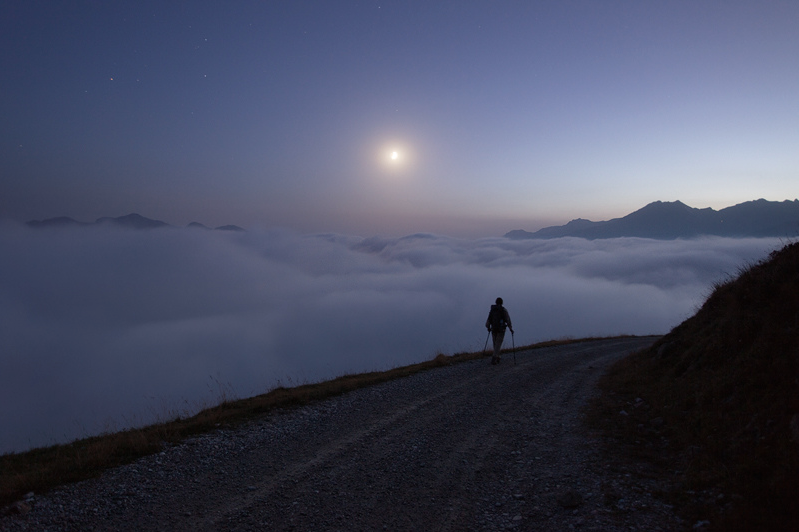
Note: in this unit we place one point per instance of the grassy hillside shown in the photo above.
(716, 402)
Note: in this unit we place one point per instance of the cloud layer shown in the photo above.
(104, 328)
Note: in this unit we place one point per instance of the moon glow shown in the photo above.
(395, 158)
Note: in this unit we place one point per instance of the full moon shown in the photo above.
(394, 157)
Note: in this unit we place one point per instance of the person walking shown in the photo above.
(498, 320)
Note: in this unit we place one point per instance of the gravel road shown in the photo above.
(465, 447)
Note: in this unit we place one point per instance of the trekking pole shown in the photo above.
(486, 346)
(513, 339)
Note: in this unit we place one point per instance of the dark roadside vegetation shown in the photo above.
(42, 469)
(713, 407)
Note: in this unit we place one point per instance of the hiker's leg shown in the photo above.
(499, 336)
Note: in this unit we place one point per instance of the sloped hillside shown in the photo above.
(716, 402)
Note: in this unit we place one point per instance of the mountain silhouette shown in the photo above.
(229, 228)
(130, 221)
(198, 225)
(61, 221)
(134, 221)
(670, 220)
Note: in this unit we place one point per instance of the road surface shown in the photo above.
(464, 447)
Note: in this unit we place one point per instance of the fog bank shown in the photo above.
(103, 328)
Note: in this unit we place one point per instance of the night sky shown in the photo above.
(503, 115)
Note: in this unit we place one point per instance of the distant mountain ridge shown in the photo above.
(671, 220)
(130, 221)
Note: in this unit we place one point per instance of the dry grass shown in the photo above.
(713, 402)
(42, 469)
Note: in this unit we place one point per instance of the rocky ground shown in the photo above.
(465, 447)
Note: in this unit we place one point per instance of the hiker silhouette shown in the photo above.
(498, 320)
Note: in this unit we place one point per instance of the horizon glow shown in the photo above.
(505, 117)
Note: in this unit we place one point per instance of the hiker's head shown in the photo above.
(499, 301)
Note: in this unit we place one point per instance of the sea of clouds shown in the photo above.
(103, 328)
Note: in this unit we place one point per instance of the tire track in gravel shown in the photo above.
(324, 458)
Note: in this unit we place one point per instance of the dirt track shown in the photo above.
(465, 447)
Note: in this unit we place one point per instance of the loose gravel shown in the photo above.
(464, 447)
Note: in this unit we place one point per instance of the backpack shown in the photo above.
(496, 317)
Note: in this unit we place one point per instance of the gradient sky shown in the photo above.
(504, 115)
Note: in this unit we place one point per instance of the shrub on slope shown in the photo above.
(721, 399)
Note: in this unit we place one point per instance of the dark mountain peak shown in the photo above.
(134, 221)
(660, 207)
(668, 220)
(130, 221)
(579, 222)
(658, 203)
(229, 228)
(60, 221)
(519, 234)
